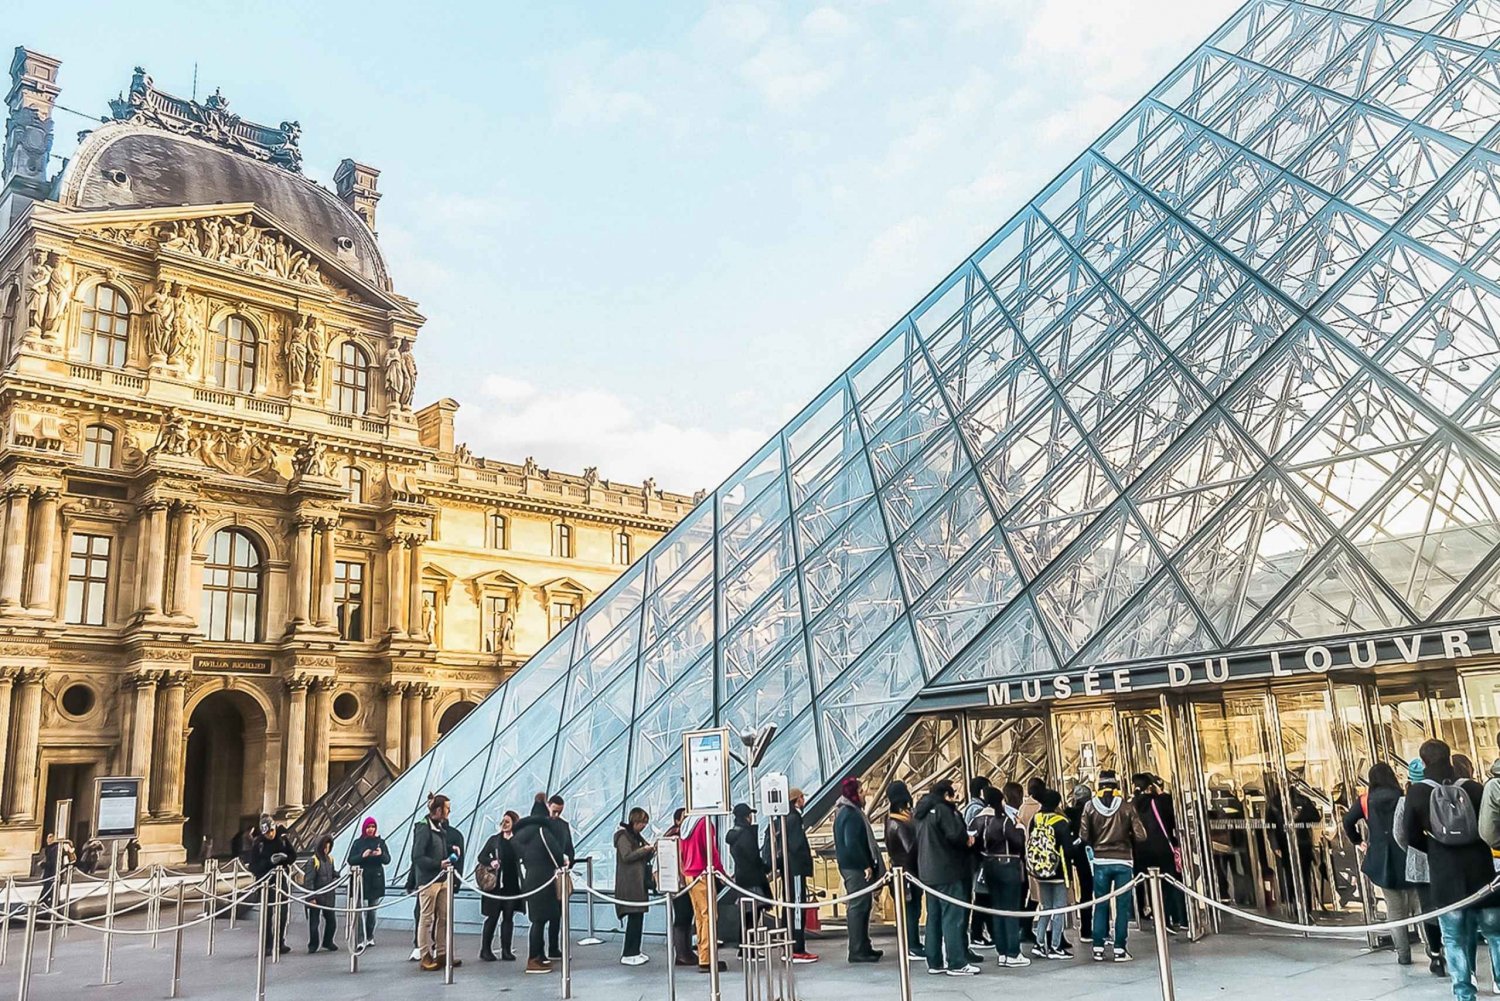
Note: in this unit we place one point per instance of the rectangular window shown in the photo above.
(88, 579)
(497, 531)
(354, 479)
(349, 598)
(496, 613)
(562, 541)
(622, 548)
(562, 613)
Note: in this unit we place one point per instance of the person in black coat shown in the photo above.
(273, 852)
(543, 845)
(743, 838)
(943, 858)
(1158, 816)
(1457, 870)
(1384, 860)
(499, 856)
(370, 852)
(796, 866)
(1080, 866)
(1002, 849)
(901, 846)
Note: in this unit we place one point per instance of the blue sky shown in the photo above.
(645, 234)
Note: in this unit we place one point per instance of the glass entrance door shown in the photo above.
(1085, 745)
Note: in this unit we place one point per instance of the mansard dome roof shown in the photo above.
(121, 165)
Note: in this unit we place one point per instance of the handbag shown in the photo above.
(486, 878)
(1176, 851)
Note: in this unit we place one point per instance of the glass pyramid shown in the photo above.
(1230, 379)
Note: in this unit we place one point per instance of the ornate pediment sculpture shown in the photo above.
(211, 121)
(237, 452)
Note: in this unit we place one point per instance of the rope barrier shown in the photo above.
(504, 899)
(1041, 913)
(235, 898)
(1261, 919)
(810, 904)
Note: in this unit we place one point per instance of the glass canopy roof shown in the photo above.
(1230, 379)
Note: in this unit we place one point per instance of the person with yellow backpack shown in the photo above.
(1047, 842)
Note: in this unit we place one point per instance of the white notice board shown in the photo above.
(705, 761)
(117, 803)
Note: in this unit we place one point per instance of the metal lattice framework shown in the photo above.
(1230, 379)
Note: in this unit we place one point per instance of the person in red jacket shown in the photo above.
(700, 849)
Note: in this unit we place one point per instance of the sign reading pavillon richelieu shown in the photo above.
(1447, 644)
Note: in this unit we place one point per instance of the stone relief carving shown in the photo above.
(462, 455)
(304, 354)
(237, 452)
(40, 430)
(240, 244)
(311, 458)
(174, 437)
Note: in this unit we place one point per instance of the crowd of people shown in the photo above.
(1028, 851)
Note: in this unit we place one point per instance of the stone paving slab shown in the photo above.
(1230, 967)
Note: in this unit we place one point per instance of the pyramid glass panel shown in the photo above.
(1232, 378)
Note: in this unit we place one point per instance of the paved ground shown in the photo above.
(1228, 967)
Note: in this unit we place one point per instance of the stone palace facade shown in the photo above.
(234, 556)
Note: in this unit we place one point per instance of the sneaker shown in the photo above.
(1041, 952)
(705, 968)
(967, 970)
(1063, 954)
(639, 959)
(537, 966)
(936, 971)
(1121, 956)
(804, 957)
(416, 954)
(330, 947)
(1098, 953)
(1014, 962)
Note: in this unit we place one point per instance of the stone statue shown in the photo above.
(296, 357)
(429, 617)
(190, 329)
(409, 364)
(507, 633)
(462, 455)
(161, 331)
(395, 377)
(314, 328)
(590, 475)
(174, 438)
(59, 293)
(304, 354)
(310, 459)
(36, 289)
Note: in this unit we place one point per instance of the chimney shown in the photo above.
(356, 186)
(28, 129)
(435, 423)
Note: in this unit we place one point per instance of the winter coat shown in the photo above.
(1457, 870)
(432, 843)
(901, 841)
(1112, 828)
(749, 871)
(852, 837)
(998, 835)
(1029, 808)
(372, 869)
(943, 855)
(1155, 850)
(1416, 859)
(270, 853)
(320, 880)
(632, 869)
(1489, 809)
(1385, 861)
(543, 845)
(500, 849)
(1077, 851)
(799, 856)
(695, 861)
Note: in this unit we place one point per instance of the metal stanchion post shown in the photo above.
(709, 885)
(671, 950)
(565, 928)
(210, 885)
(211, 908)
(61, 902)
(588, 901)
(109, 914)
(52, 922)
(448, 929)
(278, 901)
(177, 945)
(903, 944)
(354, 933)
(153, 908)
(1163, 950)
(26, 947)
(234, 886)
(10, 884)
(260, 942)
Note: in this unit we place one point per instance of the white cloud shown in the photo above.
(583, 103)
(570, 429)
(786, 75)
(827, 22)
(735, 23)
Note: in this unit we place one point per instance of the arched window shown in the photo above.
(99, 446)
(103, 327)
(351, 380)
(354, 479)
(234, 354)
(231, 588)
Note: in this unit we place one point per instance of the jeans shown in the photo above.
(1109, 876)
(314, 915)
(1007, 888)
(913, 907)
(945, 928)
(369, 919)
(858, 912)
(632, 935)
(682, 929)
(798, 917)
(1055, 895)
(1401, 904)
(276, 918)
(1460, 934)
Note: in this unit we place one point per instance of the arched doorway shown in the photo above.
(452, 715)
(224, 773)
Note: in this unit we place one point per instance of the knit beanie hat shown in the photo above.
(1415, 771)
(1082, 792)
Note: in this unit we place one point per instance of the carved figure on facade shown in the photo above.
(174, 438)
(238, 243)
(50, 290)
(429, 618)
(462, 455)
(210, 121)
(311, 458)
(398, 390)
(304, 355)
(237, 452)
(648, 488)
(162, 308)
(590, 476)
(530, 468)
